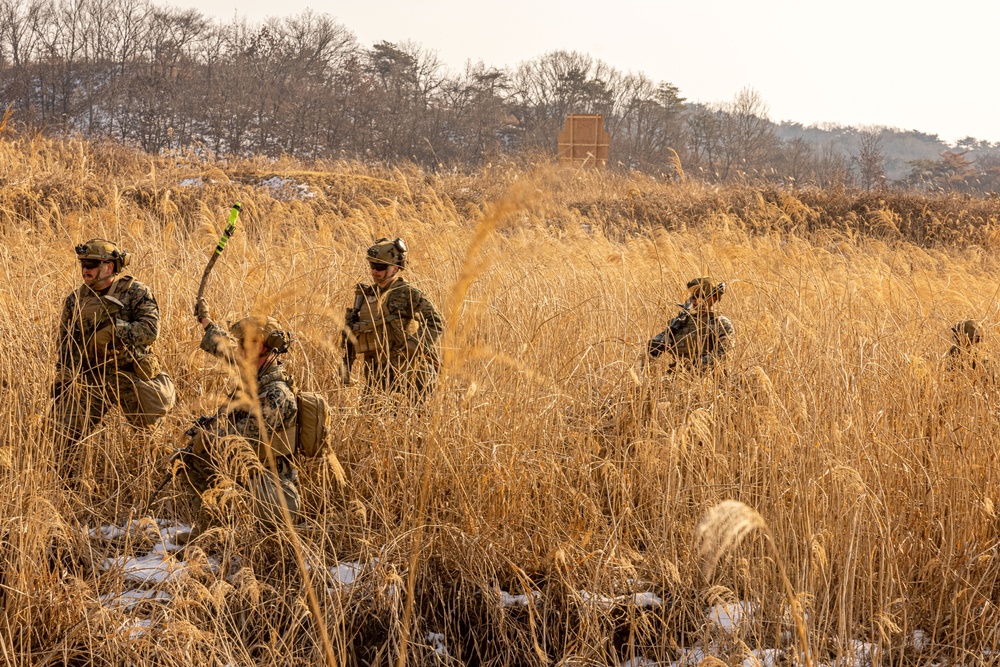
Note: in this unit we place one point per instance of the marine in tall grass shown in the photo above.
(261, 413)
(394, 326)
(105, 348)
(965, 352)
(697, 337)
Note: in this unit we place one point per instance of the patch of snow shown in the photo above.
(436, 639)
(191, 183)
(137, 627)
(639, 662)
(346, 574)
(113, 532)
(920, 640)
(860, 654)
(393, 592)
(508, 600)
(153, 568)
(285, 188)
(729, 617)
(170, 532)
(767, 657)
(647, 599)
(130, 598)
(598, 600)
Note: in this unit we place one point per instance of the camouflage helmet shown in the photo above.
(702, 288)
(265, 329)
(966, 332)
(388, 252)
(104, 251)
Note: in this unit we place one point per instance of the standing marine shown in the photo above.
(261, 413)
(697, 337)
(105, 348)
(393, 326)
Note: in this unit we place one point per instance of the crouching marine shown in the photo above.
(264, 413)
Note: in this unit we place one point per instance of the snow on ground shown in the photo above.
(645, 599)
(169, 532)
(920, 640)
(371, 578)
(191, 183)
(345, 574)
(860, 654)
(436, 639)
(130, 598)
(285, 189)
(728, 617)
(153, 568)
(159, 565)
(768, 657)
(639, 662)
(508, 600)
(136, 627)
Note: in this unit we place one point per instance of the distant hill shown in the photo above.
(900, 147)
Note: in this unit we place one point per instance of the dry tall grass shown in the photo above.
(543, 463)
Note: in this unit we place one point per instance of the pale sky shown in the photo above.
(927, 66)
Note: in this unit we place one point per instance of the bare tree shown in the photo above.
(870, 159)
(748, 134)
(649, 124)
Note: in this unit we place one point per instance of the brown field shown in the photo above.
(544, 462)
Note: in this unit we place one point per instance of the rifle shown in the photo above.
(682, 317)
(659, 344)
(203, 422)
(346, 337)
(227, 233)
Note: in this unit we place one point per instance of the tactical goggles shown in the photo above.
(378, 266)
(91, 263)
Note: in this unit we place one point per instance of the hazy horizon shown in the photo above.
(851, 63)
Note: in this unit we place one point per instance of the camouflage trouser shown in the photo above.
(81, 405)
(413, 377)
(197, 473)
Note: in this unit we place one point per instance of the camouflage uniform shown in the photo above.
(275, 391)
(396, 328)
(90, 378)
(699, 338)
(964, 354)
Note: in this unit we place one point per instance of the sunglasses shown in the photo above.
(379, 267)
(90, 263)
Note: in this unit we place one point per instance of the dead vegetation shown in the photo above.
(546, 484)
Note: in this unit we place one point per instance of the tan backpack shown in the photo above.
(313, 423)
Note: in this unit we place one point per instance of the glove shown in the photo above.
(104, 338)
(201, 309)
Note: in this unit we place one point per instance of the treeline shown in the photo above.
(167, 79)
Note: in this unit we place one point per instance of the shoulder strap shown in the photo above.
(120, 285)
(277, 374)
